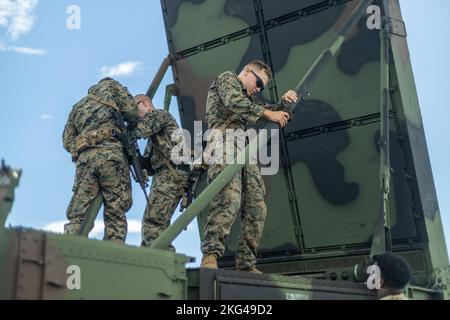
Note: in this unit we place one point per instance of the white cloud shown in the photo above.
(25, 50)
(22, 50)
(17, 16)
(134, 226)
(122, 69)
(46, 116)
(57, 227)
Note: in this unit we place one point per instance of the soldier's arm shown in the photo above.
(280, 106)
(70, 134)
(234, 99)
(289, 97)
(127, 104)
(152, 123)
(280, 112)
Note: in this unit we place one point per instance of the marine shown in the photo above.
(170, 180)
(231, 105)
(101, 164)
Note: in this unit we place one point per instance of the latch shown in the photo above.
(397, 27)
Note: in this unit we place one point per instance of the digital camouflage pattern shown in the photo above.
(158, 126)
(102, 167)
(163, 200)
(100, 172)
(227, 97)
(245, 193)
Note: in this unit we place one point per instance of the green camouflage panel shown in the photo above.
(163, 200)
(294, 47)
(418, 164)
(324, 199)
(102, 167)
(244, 194)
(159, 127)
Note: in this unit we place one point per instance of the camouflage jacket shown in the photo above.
(157, 126)
(88, 115)
(227, 96)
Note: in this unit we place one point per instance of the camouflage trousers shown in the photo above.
(244, 193)
(164, 197)
(108, 174)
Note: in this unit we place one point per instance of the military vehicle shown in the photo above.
(354, 180)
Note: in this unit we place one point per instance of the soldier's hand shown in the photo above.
(143, 109)
(279, 117)
(290, 96)
(74, 156)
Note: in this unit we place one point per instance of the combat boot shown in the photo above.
(209, 261)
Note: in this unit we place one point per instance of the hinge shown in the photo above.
(397, 27)
(41, 270)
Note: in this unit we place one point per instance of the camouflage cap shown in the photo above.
(104, 79)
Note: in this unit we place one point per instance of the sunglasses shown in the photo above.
(259, 82)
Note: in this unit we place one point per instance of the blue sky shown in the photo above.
(45, 68)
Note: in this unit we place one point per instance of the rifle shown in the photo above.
(132, 152)
(194, 177)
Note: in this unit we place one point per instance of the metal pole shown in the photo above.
(382, 234)
(91, 215)
(158, 77)
(170, 91)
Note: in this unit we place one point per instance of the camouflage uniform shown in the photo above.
(245, 192)
(167, 185)
(101, 165)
